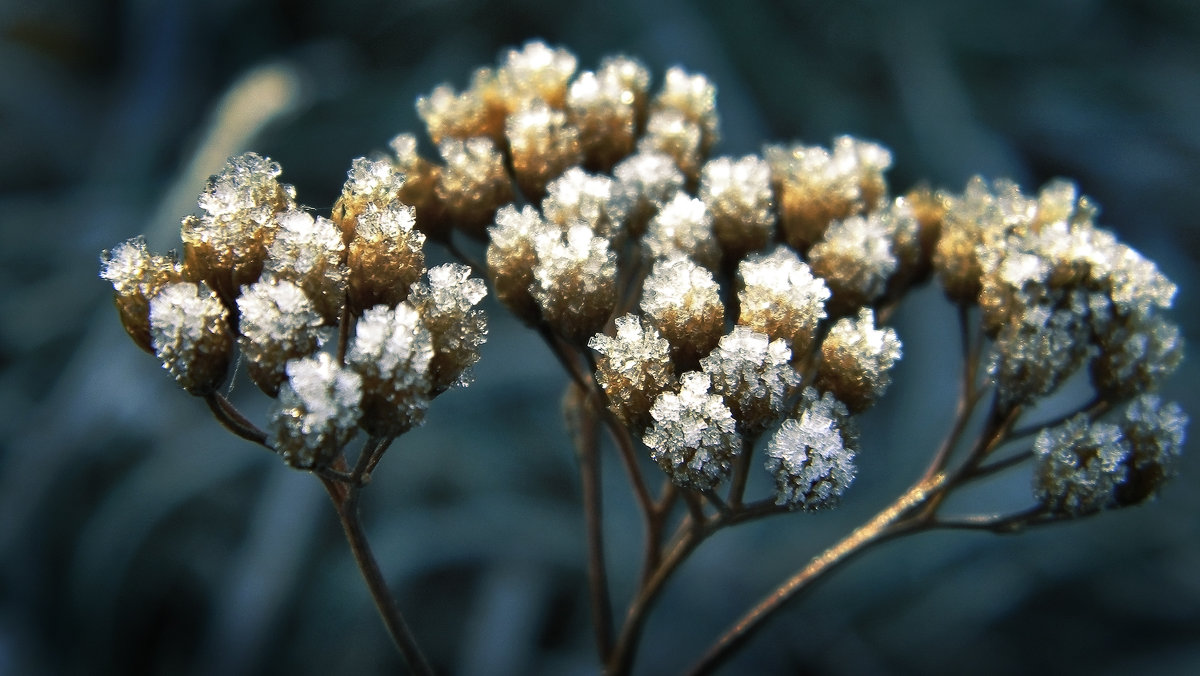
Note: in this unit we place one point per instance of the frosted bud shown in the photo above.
(477, 111)
(856, 360)
(695, 97)
(542, 145)
(316, 412)
(310, 252)
(369, 183)
(1136, 356)
(472, 184)
(738, 195)
(420, 180)
(580, 197)
(1155, 432)
(575, 282)
(446, 301)
(225, 247)
(391, 352)
(670, 132)
(633, 78)
(1078, 466)
(277, 323)
(535, 72)
(602, 106)
(682, 301)
(754, 375)
(866, 162)
(1039, 348)
(814, 187)
(684, 226)
(693, 438)
(969, 222)
(137, 276)
(385, 258)
(189, 329)
(511, 257)
(633, 369)
(645, 182)
(812, 454)
(855, 259)
(780, 297)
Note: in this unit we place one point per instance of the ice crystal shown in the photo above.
(1079, 465)
(575, 281)
(685, 226)
(693, 438)
(633, 369)
(316, 412)
(391, 352)
(189, 329)
(739, 197)
(682, 301)
(277, 323)
(812, 455)
(780, 297)
(754, 375)
(369, 183)
(309, 252)
(857, 359)
(446, 301)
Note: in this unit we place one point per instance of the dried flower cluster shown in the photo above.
(261, 273)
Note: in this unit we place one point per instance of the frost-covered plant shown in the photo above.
(702, 308)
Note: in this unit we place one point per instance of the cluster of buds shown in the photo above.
(336, 318)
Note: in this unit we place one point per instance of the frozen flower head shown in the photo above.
(449, 114)
(970, 221)
(1136, 356)
(604, 106)
(1155, 432)
(385, 257)
(1038, 350)
(815, 186)
(317, 411)
(369, 184)
(684, 226)
(670, 132)
(693, 438)
(391, 352)
(855, 258)
(1078, 466)
(137, 276)
(542, 146)
(780, 297)
(535, 72)
(226, 245)
(682, 301)
(812, 454)
(580, 197)
(511, 257)
(189, 329)
(645, 182)
(575, 281)
(472, 184)
(633, 369)
(738, 195)
(695, 98)
(446, 301)
(754, 375)
(856, 360)
(420, 181)
(309, 252)
(277, 323)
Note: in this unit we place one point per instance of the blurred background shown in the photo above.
(137, 537)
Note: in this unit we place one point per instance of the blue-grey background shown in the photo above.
(137, 537)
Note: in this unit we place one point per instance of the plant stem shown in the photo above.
(585, 433)
(345, 502)
(886, 524)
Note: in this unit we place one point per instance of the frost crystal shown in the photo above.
(780, 297)
(392, 351)
(446, 301)
(1078, 466)
(754, 375)
(535, 72)
(738, 194)
(580, 197)
(855, 259)
(308, 252)
(385, 257)
(684, 226)
(317, 411)
(634, 368)
(682, 301)
(857, 359)
(136, 276)
(369, 183)
(576, 281)
(277, 323)
(189, 329)
(645, 182)
(812, 455)
(693, 437)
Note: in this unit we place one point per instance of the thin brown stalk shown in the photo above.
(233, 420)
